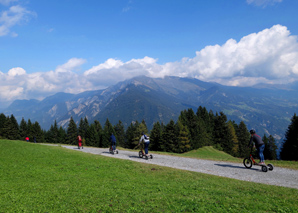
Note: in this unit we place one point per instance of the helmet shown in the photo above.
(252, 131)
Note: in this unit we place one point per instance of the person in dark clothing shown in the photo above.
(260, 145)
(113, 141)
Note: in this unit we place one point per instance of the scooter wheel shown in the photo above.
(270, 167)
(247, 163)
(151, 156)
(140, 154)
(264, 168)
(146, 157)
(117, 152)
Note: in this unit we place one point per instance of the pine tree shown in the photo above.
(90, 136)
(107, 132)
(23, 129)
(98, 133)
(183, 142)
(234, 139)
(221, 134)
(72, 133)
(120, 134)
(15, 134)
(169, 137)
(243, 139)
(290, 147)
(61, 135)
(156, 137)
(2, 124)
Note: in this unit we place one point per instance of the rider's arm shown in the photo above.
(251, 141)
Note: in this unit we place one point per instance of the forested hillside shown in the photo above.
(192, 130)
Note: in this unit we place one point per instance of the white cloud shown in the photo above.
(14, 16)
(16, 71)
(263, 3)
(73, 64)
(7, 2)
(268, 56)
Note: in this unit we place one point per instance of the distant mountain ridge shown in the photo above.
(267, 109)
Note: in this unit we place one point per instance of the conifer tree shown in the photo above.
(2, 124)
(221, 134)
(23, 129)
(234, 139)
(107, 132)
(72, 132)
(290, 147)
(37, 132)
(169, 137)
(15, 128)
(90, 136)
(120, 134)
(61, 135)
(156, 137)
(243, 139)
(98, 133)
(183, 142)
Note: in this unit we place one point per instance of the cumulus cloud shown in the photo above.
(263, 3)
(14, 16)
(269, 56)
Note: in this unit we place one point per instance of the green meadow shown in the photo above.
(39, 178)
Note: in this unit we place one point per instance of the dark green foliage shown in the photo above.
(270, 148)
(169, 137)
(156, 137)
(243, 139)
(107, 132)
(120, 134)
(72, 133)
(183, 142)
(290, 147)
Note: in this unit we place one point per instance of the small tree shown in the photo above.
(290, 147)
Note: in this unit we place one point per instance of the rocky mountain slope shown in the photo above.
(268, 109)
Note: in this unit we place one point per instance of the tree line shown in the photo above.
(191, 131)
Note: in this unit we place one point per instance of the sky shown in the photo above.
(78, 45)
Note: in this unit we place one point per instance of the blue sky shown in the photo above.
(74, 45)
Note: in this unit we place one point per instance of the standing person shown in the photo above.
(113, 141)
(145, 139)
(34, 139)
(260, 145)
(79, 141)
(27, 139)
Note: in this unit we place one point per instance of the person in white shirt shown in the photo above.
(145, 139)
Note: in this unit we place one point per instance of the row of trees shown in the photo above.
(191, 131)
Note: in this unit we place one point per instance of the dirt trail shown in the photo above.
(279, 176)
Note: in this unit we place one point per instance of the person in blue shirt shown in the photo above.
(113, 141)
(260, 145)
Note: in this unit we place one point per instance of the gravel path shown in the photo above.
(279, 176)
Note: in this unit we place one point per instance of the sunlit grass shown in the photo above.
(37, 178)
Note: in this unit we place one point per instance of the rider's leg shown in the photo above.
(146, 148)
(261, 155)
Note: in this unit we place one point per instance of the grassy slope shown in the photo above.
(37, 178)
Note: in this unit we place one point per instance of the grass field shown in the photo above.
(37, 178)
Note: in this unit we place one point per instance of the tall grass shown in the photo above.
(37, 178)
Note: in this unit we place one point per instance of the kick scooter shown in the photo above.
(113, 151)
(249, 161)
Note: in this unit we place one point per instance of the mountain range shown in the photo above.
(266, 108)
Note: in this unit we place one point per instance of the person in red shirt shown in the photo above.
(79, 141)
(27, 139)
